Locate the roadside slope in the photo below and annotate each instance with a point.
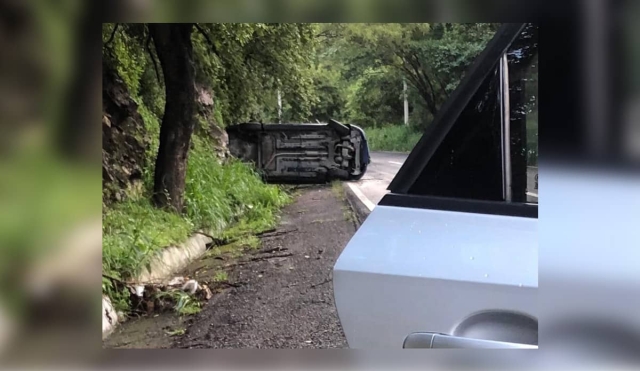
(283, 301)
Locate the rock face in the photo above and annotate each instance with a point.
(124, 141)
(208, 126)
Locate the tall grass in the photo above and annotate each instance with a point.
(217, 196)
(225, 199)
(397, 138)
(132, 231)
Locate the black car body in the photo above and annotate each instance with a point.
(302, 153)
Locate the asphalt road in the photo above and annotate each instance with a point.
(380, 172)
(385, 165)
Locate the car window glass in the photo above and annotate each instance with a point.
(468, 162)
(522, 59)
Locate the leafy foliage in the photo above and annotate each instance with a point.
(244, 64)
(431, 57)
(396, 138)
(375, 99)
(351, 72)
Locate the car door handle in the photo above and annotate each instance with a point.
(430, 340)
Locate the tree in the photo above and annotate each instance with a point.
(375, 98)
(175, 52)
(432, 57)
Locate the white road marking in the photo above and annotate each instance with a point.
(370, 205)
(395, 163)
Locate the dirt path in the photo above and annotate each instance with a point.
(279, 296)
(287, 301)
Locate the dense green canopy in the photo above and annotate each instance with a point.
(351, 72)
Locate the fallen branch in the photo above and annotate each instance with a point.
(216, 241)
(321, 283)
(235, 284)
(260, 258)
(257, 258)
(266, 232)
(268, 251)
(236, 264)
(276, 233)
(191, 346)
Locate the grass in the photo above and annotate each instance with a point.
(338, 190)
(185, 304)
(396, 138)
(229, 200)
(221, 277)
(178, 332)
(217, 196)
(132, 232)
(348, 215)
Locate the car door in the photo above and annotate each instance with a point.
(449, 258)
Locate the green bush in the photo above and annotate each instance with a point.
(397, 138)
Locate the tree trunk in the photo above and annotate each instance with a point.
(175, 52)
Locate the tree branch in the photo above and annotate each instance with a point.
(328, 35)
(442, 86)
(421, 83)
(153, 59)
(412, 79)
(113, 34)
(416, 65)
(435, 76)
(211, 44)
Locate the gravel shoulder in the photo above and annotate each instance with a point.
(283, 295)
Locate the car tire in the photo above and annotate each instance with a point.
(363, 170)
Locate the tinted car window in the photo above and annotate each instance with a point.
(468, 163)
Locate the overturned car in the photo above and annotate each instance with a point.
(302, 153)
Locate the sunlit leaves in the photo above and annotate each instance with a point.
(432, 58)
(242, 63)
